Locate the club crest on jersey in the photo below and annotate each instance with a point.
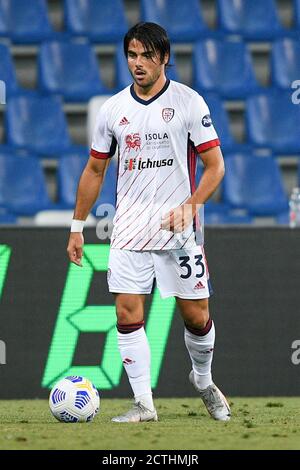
(133, 141)
(168, 114)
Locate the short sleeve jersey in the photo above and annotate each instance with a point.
(158, 142)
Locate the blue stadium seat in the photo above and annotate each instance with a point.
(216, 218)
(37, 123)
(101, 21)
(6, 218)
(4, 32)
(123, 76)
(25, 21)
(62, 66)
(283, 218)
(7, 70)
(70, 167)
(216, 213)
(22, 185)
(182, 20)
(212, 207)
(273, 121)
(224, 67)
(221, 121)
(255, 20)
(285, 62)
(7, 150)
(297, 13)
(254, 183)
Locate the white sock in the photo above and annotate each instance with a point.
(135, 354)
(200, 349)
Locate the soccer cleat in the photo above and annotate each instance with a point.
(137, 414)
(214, 400)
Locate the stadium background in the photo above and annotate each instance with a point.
(246, 72)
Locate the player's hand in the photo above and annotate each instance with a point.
(75, 248)
(177, 220)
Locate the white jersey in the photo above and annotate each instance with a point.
(158, 142)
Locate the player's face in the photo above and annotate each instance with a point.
(144, 66)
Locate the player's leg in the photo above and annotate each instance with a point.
(134, 346)
(199, 336)
(132, 273)
(186, 278)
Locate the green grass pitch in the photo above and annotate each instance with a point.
(257, 423)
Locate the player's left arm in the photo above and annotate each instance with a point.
(214, 170)
(180, 217)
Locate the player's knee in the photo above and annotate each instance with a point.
(199, 317)
(128, 314)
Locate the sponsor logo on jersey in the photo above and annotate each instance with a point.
(124, 121)
(206, 121)
(156, 136)
(130, 164)
(208, 351)
(133, 141)
(128, 361)
(199, 285)
(133, 163)
(168, 114)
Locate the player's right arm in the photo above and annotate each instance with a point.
(88, 189)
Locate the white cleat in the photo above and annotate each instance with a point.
(214, 400)
(137, 414)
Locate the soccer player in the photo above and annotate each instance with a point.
(160, 127)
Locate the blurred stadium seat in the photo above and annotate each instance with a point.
(3, 20)
(7, 70)
(255, 20)
(60, 218)
(22, 185)
(224, 67)
(285, 62)
(283, 218)
(123, 76)
(70, 167)
(7, 218)
(62, 66)
(273, 121)
(297, 13)
(25, 21)
(94, 105)
(101, 21)
(216, 218)
(221, 121)
(182, 20)
(254, 183)
(37, 123)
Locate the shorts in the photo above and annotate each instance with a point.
(181, 273)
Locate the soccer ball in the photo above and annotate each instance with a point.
(74, 399)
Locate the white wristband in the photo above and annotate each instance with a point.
(77, 225)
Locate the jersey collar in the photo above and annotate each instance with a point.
(146, 102)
